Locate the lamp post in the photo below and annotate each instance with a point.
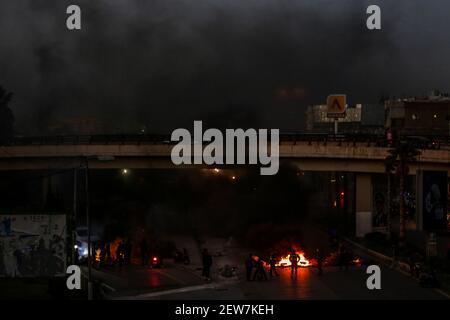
(88, 224)
(74, 221)
(88, 219)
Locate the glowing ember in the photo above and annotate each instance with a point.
(284, 261)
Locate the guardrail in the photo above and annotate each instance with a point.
(423, 142)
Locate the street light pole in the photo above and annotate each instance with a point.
(74, 221)
(88, 222)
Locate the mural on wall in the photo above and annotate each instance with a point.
(32, 245)
(434, 204)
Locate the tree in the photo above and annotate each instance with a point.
(399, 156)
(6, 117)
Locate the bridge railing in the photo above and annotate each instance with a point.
(423, 142)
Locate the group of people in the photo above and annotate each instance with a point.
(254, 266)
(103, 254)
(256, 263)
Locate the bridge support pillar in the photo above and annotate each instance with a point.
(363, 204)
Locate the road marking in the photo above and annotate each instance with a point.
(172, 291)
(445, 294)
(108, 287)
(102, 282)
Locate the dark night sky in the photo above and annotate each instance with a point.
(168, 62)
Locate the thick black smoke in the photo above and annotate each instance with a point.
(164, 63)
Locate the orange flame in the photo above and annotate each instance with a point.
(285, 262)
(113, 247)
(98, 252)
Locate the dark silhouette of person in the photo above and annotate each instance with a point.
(144, 252)
(108, 253)
(249, 263)
(120, 253)
(260, 273)
(333, 238)
(207, 263)
(127, 251)
(294, 258)
(77, 256)
(414, 264)
(343, 258)
(273, 267)
(319, 262)
(186, 259)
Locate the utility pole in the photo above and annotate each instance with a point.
(74, 217)
(88, 222)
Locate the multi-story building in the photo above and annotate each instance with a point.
(427, 116)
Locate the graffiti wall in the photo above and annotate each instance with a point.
(433, 191)
(32, 245)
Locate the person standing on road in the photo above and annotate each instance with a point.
(120, 254)
(319, 262)
(207, 263)
(249, 266)
(186, 259)
(273, 267)
(260, 273)
(128, 248)
(344, 258)
(108, 254)
(144, 252)
(294, 258)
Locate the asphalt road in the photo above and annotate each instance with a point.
(135, 280)
(179, 282)
(173, 282)
(333, 284)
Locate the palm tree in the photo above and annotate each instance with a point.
(402, 153)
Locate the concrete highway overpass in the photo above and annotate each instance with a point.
(307, 152)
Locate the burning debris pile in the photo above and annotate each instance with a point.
(114, 245)
(285, 261)
(284, 251)
(280, 242)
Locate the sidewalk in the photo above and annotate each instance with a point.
(397, 265)
(381, 258)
